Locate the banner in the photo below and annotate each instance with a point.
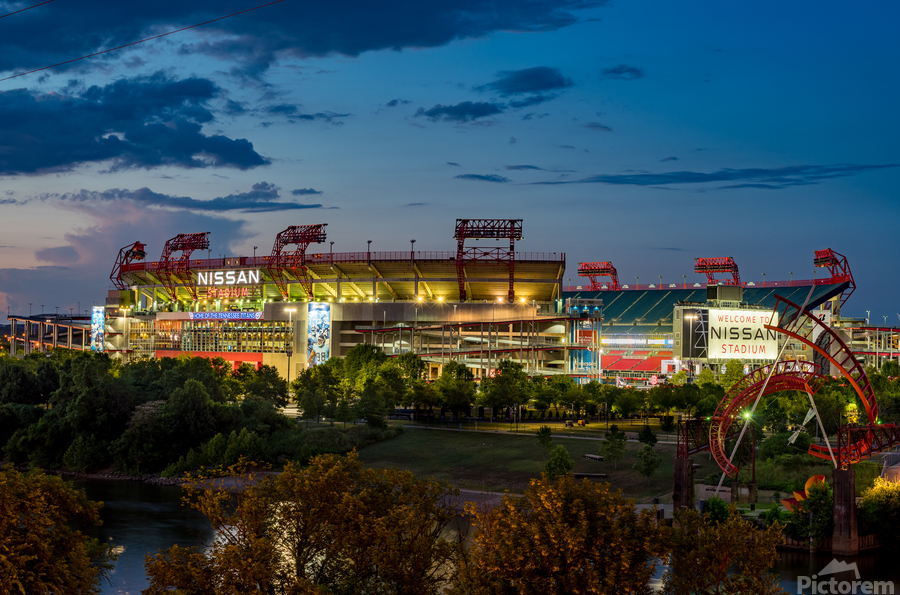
(98, 334)
(741, 334)
(318, 333)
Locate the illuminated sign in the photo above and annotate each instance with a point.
(318, 333)
(98, 333)
(226, 315)
(215, 278)
(741, 334)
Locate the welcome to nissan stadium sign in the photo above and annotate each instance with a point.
(741, 334)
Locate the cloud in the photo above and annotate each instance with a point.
(461, 112)
(565, 146)
(415, 204)
(255, 40)
(262, 198)
(305, 191)
(396, 102)
(60, 255)
(529, 101)
(480, 178)
(528, 80)
(136, 123)
(597, 126)
(521, 167)
(293, 114)
(453, 163)
(772, 179)
(623, 72)
(669, 159)
(513, 140)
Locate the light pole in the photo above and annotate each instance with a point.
(254, 253)
(660, 281)
(290, 349)
(690, 341)
(29, 310)
(685, 281)
(764, 279)
(792, 278)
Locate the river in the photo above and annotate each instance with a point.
(143, 519)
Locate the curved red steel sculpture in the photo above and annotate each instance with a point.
(799, 325)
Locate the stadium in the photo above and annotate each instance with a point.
(477, 304)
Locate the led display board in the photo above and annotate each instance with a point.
(98, 334)
(318, 333)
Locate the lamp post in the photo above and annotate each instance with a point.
(29, 310)
(685, 281)
(792, 278)
(660, 281)
(764, 279)
(290, 349)
(690, 341)
(254, 253)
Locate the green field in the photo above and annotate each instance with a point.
(494, 461)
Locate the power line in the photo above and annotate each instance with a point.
(9, 14)
(234, 14)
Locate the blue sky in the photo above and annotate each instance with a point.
(646, 133)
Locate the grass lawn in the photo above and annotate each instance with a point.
(501, 461)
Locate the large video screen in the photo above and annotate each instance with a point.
(318, 333)
(98, 322)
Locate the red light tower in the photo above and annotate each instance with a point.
(839, 268)
(127, 255)
(719, 264)
(171, 269)
(281, 261)
(486, 229)
(592, 270)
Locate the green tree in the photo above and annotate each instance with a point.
(456, 387)
(734, 371)
(812, 519)
(545, 438)
(706, 376)
(647, 436)
(612, 448)
(266, 383)
(412, 366)
(720, 557)
(559, 463)
(344, 411)
(506, 388)
(678, 378)
(562, 536)
(648, 462)
(362, 356)
(629, 402)
(44, 542)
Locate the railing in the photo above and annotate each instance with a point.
(702, 285)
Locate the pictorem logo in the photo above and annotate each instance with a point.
(847, 583)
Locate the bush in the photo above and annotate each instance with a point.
(647, 436)
(776, 514)
(221, 452)
(86, 453)
(820, 503)
(716, 511)
(667, 423)
(777, 445)
(879, 512)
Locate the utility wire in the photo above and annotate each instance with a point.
(234, 14)
(9, 14)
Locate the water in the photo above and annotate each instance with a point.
(141, 519)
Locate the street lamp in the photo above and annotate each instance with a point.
(691, 340)
(792, 278)
(764, 279)
(290, 349)
(254, 253)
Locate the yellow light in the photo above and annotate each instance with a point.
(523, 300)
(440, 298)
(500, 299)
(420, 298)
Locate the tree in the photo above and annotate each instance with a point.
(647, 436)
(362, 356)
(734, 371)
(267, 384)
(506, 388)
(612, 448)
(726, 558)
(412, 365)
(706, 376)
(333, 527)
(628, 402)
(545, 438)
(812, 519)
(344, 411)
(456, 386)
(562, 536)
(678, 378)
(879, 511)
(560, 462)
(45, 548)
(648, 462)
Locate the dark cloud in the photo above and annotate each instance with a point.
(461, 112)
(263, 198)
(565, 146)
(623, 72)
(480, 178)
(415, 204)
(513, 140)
(529, 101)
(669, 159)
(772, 179)
(305, 191)
(142, 122)
(520, 167)
(256, 39)
(528, 80)
(396, 102)
(597, 126)
(60, 255)
(293, 114)
(453, 163)
(532, 115)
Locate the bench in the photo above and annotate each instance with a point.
(597, 458)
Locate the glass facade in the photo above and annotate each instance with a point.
(225, 336)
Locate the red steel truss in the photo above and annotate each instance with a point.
(694, 437)
(839, 268)
(486, 229)
(592, 270)
(171, 270)
(281, 261)
(718, 264)
(127, 255)
(859, 442)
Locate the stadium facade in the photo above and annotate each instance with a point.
(478, 305)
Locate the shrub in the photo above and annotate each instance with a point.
(777, 445)
(86, 453)
(667, 423)
(879, 512)
(716, 510)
